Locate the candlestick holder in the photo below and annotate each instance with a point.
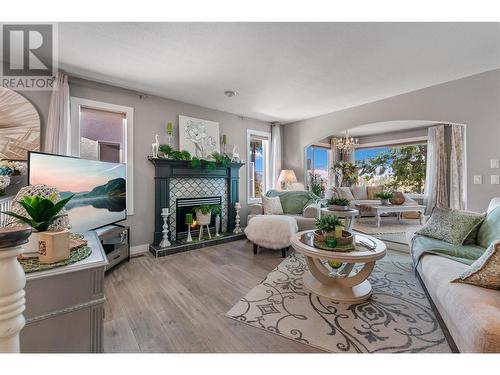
(237, 228)
(189, 238)
(165, 242)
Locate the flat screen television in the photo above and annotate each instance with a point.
(99, 187)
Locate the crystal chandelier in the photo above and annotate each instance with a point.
(346, 144)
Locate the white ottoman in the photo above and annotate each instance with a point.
(271, 231)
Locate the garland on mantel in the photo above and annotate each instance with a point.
(217, 159)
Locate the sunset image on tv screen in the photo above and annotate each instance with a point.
(99, 188)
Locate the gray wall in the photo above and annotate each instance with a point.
(474, 101)
(151, 116)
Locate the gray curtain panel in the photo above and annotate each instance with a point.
(457, 167)
(436, 186)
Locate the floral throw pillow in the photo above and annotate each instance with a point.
(272, 205)
(452, 226)
(484, 272)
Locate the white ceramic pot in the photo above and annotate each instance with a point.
(203, 219)
(385, 202)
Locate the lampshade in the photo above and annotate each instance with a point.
(287, 176)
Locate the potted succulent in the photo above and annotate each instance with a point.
(338, 204)
(327, 227)
(52, 246)
(384, 197)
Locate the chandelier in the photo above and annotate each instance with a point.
(346, 144)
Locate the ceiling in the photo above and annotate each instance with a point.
(280, 71)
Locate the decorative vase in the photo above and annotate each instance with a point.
(217, 225)
(53, 246)
(339, 208)
(203, 219)
(384, 202)
(398, 199)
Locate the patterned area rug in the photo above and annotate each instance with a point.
(396, 319)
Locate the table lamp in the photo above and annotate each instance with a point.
(287, 178)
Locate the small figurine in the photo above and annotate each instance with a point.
(155, 147)
(235, 158)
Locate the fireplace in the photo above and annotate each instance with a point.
(184, 206)
(180, 187)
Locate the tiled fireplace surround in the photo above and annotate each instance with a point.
(175, 179)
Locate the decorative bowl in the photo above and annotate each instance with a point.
(339, 208)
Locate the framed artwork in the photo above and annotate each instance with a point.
(199, 137)
(19, 126)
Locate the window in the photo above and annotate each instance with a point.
(258, 164)
(103, 131)
(400, 167)
(317, 168)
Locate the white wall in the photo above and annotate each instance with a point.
(474, 101)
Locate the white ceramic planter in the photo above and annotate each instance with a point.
(203, 219)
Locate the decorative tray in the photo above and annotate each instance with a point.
(78, 251)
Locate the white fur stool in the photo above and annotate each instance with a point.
(271, 231)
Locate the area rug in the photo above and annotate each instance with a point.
(396, 319)
(387, 225)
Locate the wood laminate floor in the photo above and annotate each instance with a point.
(176, 304)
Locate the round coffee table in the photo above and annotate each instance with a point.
(340, 285)
(348, 215)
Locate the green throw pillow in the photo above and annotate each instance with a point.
(452, 226)
(490, 229)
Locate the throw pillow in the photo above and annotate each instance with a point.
(452, 226)
(345, 192)
(372, 190)
(490, 229)
(272, 205)
(359, 192)
(484, 272)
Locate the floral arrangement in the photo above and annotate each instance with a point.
(385, 195)
(8, 169)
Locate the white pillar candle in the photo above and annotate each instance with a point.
(165, 211)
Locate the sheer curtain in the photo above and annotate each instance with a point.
(57, 132)
(436, 187)
(457, 167)
(275, 154)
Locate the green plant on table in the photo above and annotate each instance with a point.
(384, 195)
(327, 224)
(338, 202)
(42, 211)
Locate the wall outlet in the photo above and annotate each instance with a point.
(494, 163)
(495, 179)
(478, 180)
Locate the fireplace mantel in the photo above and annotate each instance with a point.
(167, 169)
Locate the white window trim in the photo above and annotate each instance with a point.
(394, 142)
(76, 105)
(266, 151)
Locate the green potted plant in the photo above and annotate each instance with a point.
(384, 197)
(328, 226)
(338, 204)
(204, 213)
(41, 211)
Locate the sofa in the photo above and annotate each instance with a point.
(302, 205)
(470, 314)
(362, 197)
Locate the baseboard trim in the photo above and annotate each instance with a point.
(139, 250)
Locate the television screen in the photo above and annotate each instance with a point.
(99, 188)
